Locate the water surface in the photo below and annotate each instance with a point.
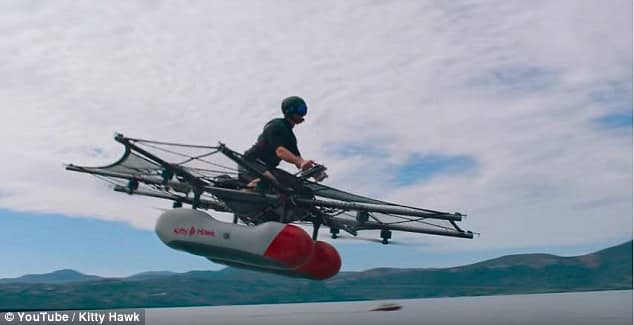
(591, 308)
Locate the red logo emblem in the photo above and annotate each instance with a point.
(192, 231)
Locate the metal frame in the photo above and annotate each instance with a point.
(298, 195)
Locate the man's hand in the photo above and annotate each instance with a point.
(305, 164)
(289, 157)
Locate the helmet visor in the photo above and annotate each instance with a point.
(301, 110)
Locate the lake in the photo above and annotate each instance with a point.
(592, 308)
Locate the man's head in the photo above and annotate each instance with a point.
(294, 109)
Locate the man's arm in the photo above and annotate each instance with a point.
(289, 157)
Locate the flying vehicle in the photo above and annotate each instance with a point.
(267, 228)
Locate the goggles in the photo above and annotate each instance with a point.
(301, 110)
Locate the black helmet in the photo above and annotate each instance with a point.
(294, 105)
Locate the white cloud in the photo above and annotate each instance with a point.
(509, 83)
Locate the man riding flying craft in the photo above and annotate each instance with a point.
(278, 142)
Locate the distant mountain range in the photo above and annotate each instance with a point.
(608, 269)
(67, 276)
(61, 276)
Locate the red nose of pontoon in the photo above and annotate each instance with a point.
(324, 263)
(292, 247)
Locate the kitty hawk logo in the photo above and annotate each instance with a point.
(192, 231)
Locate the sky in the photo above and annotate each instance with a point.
(517, 113)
